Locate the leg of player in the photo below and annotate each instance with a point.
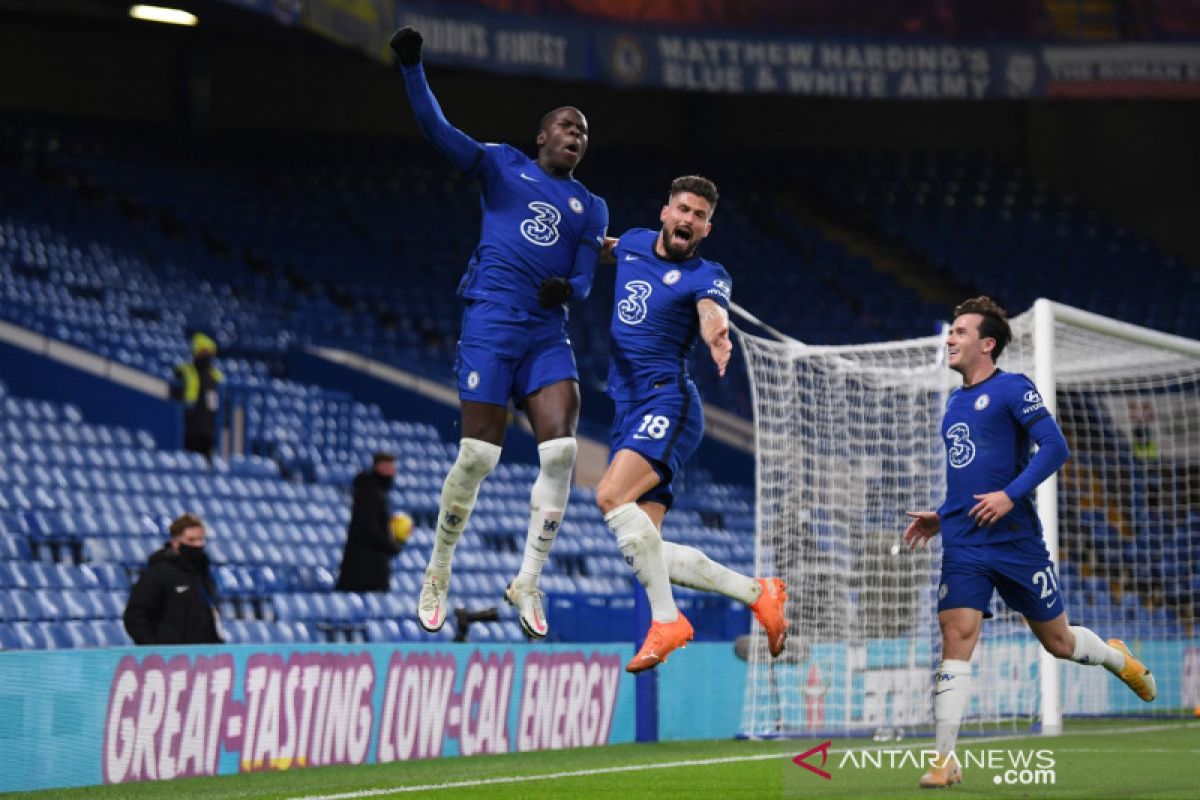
(554, 412)
(1081, 645)
(483, 427)
(765, 596)
(951, 691)
(630, 476)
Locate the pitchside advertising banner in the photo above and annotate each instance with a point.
(862, 686)
(718, 61)
(85, 717)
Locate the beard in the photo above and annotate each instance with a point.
(676, 249)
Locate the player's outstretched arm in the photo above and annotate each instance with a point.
(406, 43)
(608, 252)
(714, 329)
(923, 527)
(462, 151)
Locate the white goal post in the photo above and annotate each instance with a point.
(847, 439)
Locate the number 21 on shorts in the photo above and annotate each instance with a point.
(653, 426)
(1047, 581)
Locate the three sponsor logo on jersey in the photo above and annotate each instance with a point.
(542, 228)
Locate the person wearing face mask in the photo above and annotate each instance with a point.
(175, 599)
(375, 535)
(198, 385)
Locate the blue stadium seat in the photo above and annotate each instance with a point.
(9, 610)
(31, 635)
(384, 630)
(9, 640)
(14, 549)
(110, 633)
(111, 576)
(293, 607)
(56, 635)
(50, 605)
(82, 634)
(12, 575)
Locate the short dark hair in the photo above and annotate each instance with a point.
(382, 456)
(549, 116)
(994, 324)
(697, 185)
(183, 522)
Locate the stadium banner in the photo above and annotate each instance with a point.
(285, 12)
(87, 717)
(716, 61)
(1123, 70)
(708, 670)
(857, 687)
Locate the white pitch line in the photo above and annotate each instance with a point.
(579, 773)
(703, 762)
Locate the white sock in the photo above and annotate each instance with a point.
(1091, 649)
(547, 503)
(476, 459)
(641, 544)
(951, 691)
(689, 567)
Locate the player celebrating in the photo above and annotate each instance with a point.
(991, 535)
(671, 296)
(542, 233)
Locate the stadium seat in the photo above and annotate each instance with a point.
(9, 640)
(32, 636)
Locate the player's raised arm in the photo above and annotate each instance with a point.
(714, 329)
(462, 151)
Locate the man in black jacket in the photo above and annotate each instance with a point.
(370, 541)
(175, 599)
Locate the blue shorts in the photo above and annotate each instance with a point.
(1020, 570)
(504, 352)
(665, 429)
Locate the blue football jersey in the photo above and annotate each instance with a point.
(533, 226)
(655, 326)
(986, 432)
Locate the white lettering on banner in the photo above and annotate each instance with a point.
(848, 84)
(333, 696)
(531, 48)
(1153, 63)
(178, 718)
(1191, 677)
(485, 705)
(447, 37)
(143, 736)
(567, 700)
(852, 70)
(895, 696)
(702, 77)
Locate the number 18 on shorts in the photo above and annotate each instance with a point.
(665, 428)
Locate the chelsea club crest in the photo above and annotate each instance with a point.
(982, 402)
(672, 277)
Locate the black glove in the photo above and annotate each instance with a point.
(554, 292)
(406, 43)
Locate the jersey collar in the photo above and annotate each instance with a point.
(975, 386)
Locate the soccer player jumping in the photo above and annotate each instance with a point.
(541, 237)
(671, 296)
(991, 535)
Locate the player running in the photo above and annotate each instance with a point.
(671, 295)
(541, 236)
(991, 535)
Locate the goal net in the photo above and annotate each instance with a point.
(848, 439)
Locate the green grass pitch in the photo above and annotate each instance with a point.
(1094, 759)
